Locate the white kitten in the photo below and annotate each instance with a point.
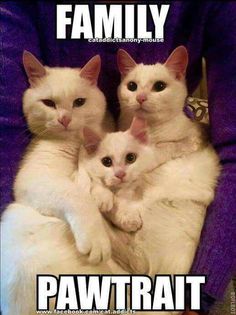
(117, 165)
(158, 93)
(56, 106)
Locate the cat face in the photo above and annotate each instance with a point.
(155, 92)
(62, 100)
(121, 157)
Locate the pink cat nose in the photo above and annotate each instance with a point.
(64, 120)
(141, 98)
(120, 174)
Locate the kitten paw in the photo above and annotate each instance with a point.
(131, 222)
(104, 199)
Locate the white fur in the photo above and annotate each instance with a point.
(169, 202)
(159, 106)
(44, 184)
(172, 201)
(35, 244)
(174, 134)
(44, 179)
(165, 244)
(174, 197)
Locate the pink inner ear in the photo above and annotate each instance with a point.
(91, 140)
(177, 62)
(92, 69)
(33, 67)
(138, 130)
(125, 62)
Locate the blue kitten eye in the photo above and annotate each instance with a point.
(107, 161)
(130, 158)
(49, 103)
(159, 86)
(79, 102)
(132, 86)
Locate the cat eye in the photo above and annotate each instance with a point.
(107, 161)
(49, 103)
(79, 102)
(159, 86)
(130, 158)
(132, 86)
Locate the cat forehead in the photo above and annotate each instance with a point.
(117, 143)
(146, 73)
(65, 76)
(63, 82)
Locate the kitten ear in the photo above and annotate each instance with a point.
(138, 130)
(125, 62)
(92, 69)
(91, 140)
(33, 67)
(177, 62)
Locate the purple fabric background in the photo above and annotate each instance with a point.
(206, 28)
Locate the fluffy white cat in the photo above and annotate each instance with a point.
(59, 102)
(180, 190)
(56, 106)
(158, 93)
(117, 172)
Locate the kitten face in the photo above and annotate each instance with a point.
(153, 91)
(61, 101)
(121, 157)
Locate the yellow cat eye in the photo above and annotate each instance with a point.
(130, 158)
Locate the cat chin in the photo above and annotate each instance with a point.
(142, 112)
(120, 184)
(55, 132)
(113, 185)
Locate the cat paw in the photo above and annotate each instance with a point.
(104, 200)
(100, 251)
(96, 245)
(131, 222)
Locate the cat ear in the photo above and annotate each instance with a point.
(125, 62)
(33, 67)
(91, 140)
(177, 62)
(92, 69)
(138, 130)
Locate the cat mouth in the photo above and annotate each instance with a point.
(142, 108)
(116, 184)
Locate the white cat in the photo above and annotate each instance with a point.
(59, 102)
(56, 106)
(117, 171)
(181, 189)
(158, 93)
